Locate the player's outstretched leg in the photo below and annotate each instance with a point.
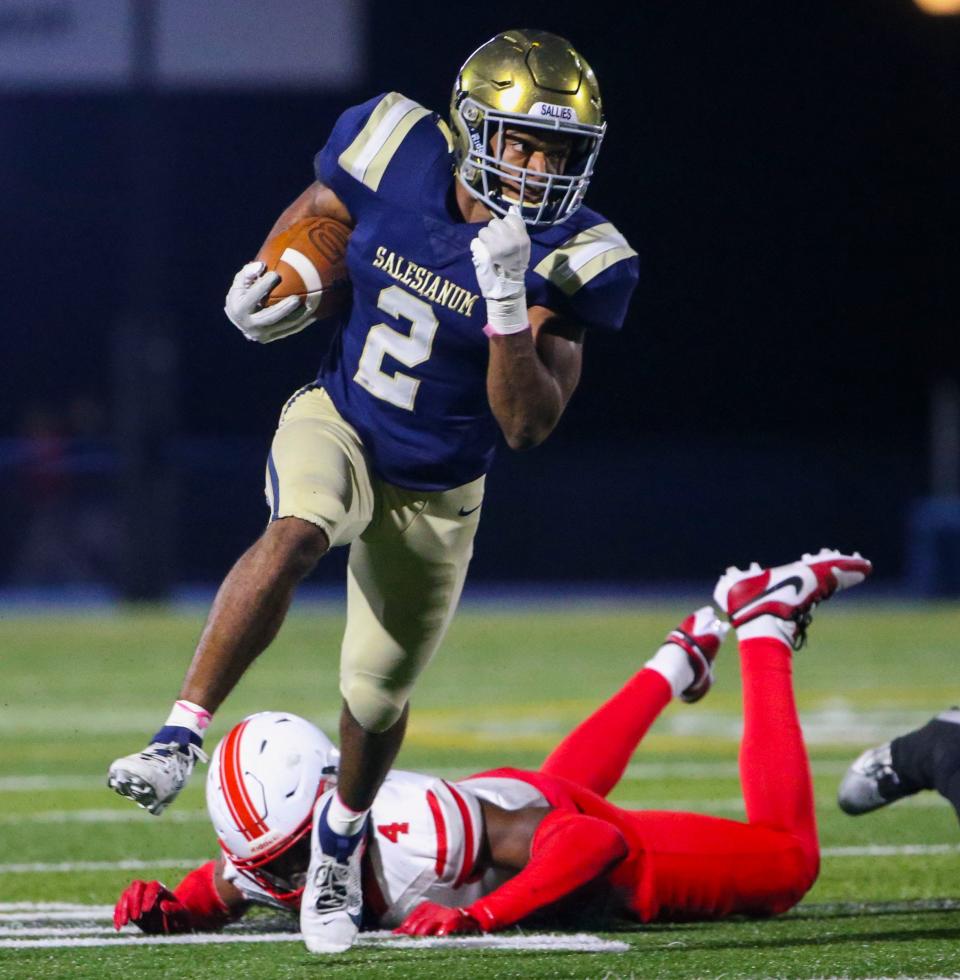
(771, 610)
(694, 866)
(928, 758)
(595, 754)
(248, 610)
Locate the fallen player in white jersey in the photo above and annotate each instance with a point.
(488, 851)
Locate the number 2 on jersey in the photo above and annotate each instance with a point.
(409, 349)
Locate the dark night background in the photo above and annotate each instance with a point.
(788, 174)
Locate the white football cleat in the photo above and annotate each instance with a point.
(153, 778)
(789, 593)
(332, 904)
(699, 636)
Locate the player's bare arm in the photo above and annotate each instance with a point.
(317, 201)
(531, 376)
(229, 894)
(508, 834)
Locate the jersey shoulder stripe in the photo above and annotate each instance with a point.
(584, 256)
(366, 159)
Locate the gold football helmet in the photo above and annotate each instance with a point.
(534, 81)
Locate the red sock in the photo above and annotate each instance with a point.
(774, 769)
(597, 751)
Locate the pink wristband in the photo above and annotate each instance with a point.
(493, 332)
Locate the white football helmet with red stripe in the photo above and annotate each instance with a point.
(263, 781)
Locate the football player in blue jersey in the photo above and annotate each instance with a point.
(476, 273)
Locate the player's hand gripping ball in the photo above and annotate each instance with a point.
(302, 277)
(153, 907)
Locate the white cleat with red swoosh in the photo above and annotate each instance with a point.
(790, 592)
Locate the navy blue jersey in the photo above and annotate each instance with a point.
(408, 368)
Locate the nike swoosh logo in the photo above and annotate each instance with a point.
(467, 513)
(795, 581)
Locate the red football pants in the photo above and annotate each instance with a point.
(690, 866)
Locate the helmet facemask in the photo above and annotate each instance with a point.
(487, 177)
(281, 871)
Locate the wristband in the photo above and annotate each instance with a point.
(507, 316)
(491, 331)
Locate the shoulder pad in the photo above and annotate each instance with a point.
(367, 157)
(584, 256)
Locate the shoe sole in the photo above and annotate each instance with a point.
(134, 788)
(326, 947)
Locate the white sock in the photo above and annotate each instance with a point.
(342, 820)
(673, 664)
(768, 627)
(186, 714)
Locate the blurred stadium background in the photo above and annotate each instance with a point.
(787, 377)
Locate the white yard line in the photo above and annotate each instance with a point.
(890, 850)
(37, 932)
(832, 721)
(69, 915)
(128, 814)
(577, 943)
(732, 804)
(33, 784)
(638, 770)
(40, 867)
(53, 907)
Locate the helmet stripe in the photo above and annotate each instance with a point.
(225, 752)
(249, 822)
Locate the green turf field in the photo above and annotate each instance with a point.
(78, 690)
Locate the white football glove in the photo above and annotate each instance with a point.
(263, 324)
(501, 254)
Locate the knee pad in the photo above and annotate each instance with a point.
(372, 702)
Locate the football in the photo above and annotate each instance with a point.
(310, 258)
